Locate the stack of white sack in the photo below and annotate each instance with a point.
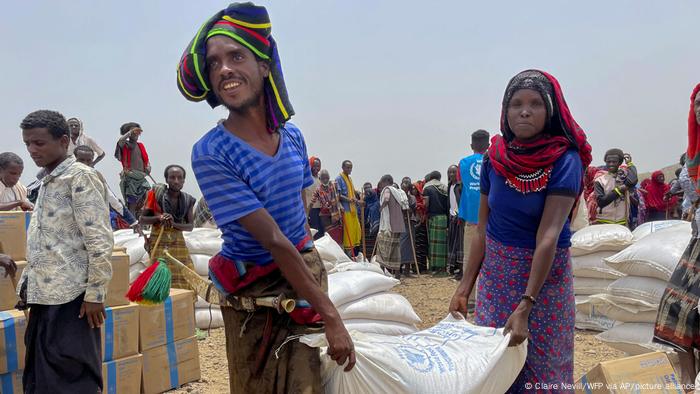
(589, 246)
(361, 293)
(634, 299)
(454, 356)
(204, 243)
(134, 245)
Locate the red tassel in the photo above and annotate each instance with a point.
(136, 290)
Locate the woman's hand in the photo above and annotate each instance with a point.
(460, 301)
(458, 305)
(517, 324)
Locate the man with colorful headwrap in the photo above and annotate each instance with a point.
(252, 170)
(678, 321)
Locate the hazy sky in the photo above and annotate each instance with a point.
(396, 86)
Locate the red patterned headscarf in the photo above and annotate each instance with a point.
(693, 153)
(527, 166)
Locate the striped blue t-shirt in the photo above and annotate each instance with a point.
(237, 179)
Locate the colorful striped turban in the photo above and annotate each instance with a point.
(249, 25)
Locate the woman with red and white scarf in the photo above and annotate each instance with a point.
(530, 180)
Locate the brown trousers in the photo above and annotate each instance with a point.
(253, 338)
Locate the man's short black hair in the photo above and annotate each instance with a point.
(46, 119)
(7, 158)
(435, 175)
(480, 139)
(388, 179)
(167, 169)
(84, 148)
(128, 126)
(346, 162)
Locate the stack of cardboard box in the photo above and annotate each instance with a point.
(167, 342)
(121, 361)
(13, 323)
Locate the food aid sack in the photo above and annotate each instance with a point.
(593, 266)
(632, 338)
(347, 286)
(206, 318)
(380, 306)
(586, 286)
(651, 227)
(600, 238)
(384, 327)
(330, 251)
(638, 289)
(357, 266)
(654, 256)
(622, 309)
(453, 356)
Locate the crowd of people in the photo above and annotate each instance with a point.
(500, 223)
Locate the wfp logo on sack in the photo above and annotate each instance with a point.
(416, 358)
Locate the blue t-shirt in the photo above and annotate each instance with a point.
(237, 179)
(515, 217)
(470, 171)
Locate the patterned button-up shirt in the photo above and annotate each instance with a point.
(69, 241)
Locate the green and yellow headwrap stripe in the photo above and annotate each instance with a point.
(250, 26)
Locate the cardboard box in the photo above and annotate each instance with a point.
(648, 373)
(13, 324)
(122, 376)
(11, 383)
(13, 233)
(119, 284)
(170, 366)
(8, 286)
(167, 322)
(120, 249)
(120, 333)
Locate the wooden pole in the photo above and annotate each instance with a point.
(362, 225)
(413, 246)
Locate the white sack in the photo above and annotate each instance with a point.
(593, 266)
(452, 357)
(380, 306)
(122, 236)
(586, 286)
(347, 286)
(652, 227)
(135, 270)
(655, 256)
(203, 242)
(623, 309)
(383, 327)
(206, 319)
(638, 288)
(203, 232)
(581, 219)
(600, 238)
(593, 322)
(330, 251)
(583, 304)
(203, 304)
(632, 338)
(201, 263)
(357, 266)
(135, 249)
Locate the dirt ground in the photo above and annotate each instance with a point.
(430, 298)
